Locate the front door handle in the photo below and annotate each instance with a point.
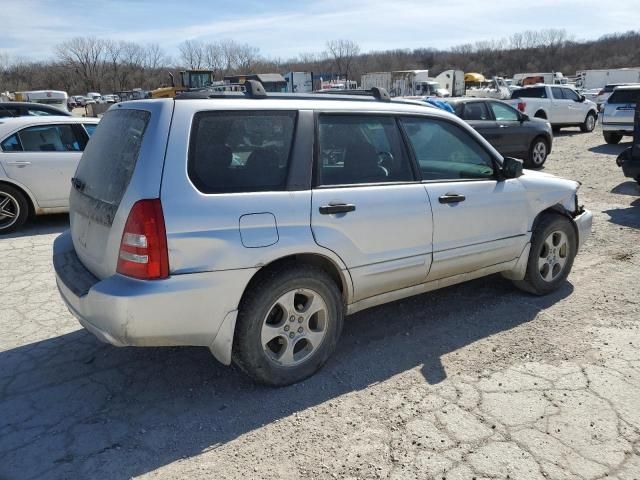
(504, 126)
(337, 208)
(452, 198)
(19, 163)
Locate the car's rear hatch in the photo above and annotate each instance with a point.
(620, 107)
(122, 164)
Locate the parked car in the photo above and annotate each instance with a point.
(200, 221)
(22, 109)
(510, 132)
(560, 106)
(618, 112)
(38, 156)
(605, 93)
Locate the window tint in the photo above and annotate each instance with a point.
(360, 149)
(570, 94)
(557, 93)
(240, 151)
(533, 92)
(36, 112)
(49, 138)
(7, 112)
(90, 128)
(625, 96)
(11, 144)
(110, 157)
(476, 111)
(445, 151)
(504, 113)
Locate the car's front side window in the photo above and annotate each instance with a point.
(445, 151)
(49, 138)
(570, 95)
(357, 149)
(504, 113)
(557, 93)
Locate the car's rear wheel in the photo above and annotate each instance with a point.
(612, 138)
(538, 152)
(589, 123)
(288, 325)
(14, 209)
(553, 249)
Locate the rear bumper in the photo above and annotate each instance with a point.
(622, 128)
(584, 221)
(180, 310)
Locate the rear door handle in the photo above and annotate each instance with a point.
(337, 208)
(452, 198)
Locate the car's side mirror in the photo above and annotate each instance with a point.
(524, 117)
(511, 167)
(582, 98)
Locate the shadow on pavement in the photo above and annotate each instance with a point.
(608, 149)
(42, 225)
(627, 217)
(75, 408)
(627, 188)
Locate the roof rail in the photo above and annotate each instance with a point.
(380, 94)
(252, 89)
(255, 89)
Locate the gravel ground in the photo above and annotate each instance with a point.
(475, 381)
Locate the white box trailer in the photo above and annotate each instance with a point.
(548, 78)
(592, 79)
(403, 83)
(299, 82)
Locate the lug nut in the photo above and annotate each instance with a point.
(291, 335)
(292, 318)
(300, 319)
(300, 330)
(286, 328)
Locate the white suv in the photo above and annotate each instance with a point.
(253, 223)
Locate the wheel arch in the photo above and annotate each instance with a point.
(557, 209)
(541, 113)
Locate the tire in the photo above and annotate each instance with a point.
(541, 276)
(14, 209)
(269, 317)
(538, 152)
(589, 123)
(612, 138)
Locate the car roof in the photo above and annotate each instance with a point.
(628, 87)
(12, 123)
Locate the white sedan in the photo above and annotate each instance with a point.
(38, 158)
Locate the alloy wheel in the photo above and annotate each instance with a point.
(539, 152)
(294, 327)
(9, 210)
(553, 256)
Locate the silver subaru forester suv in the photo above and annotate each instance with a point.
(252, 223)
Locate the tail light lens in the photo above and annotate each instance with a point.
(521, 106)
(601, 92)
(143, 248)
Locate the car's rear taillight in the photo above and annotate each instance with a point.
(601, 92)
(521, 106)
(143, 248)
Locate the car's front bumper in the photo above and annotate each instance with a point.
(184, 309)
(584, 221)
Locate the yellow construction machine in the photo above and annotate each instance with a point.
(189, 79)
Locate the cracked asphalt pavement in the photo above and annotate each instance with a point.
(476, 381)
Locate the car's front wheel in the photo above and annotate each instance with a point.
(14, 209)
(553, 249)
(538, 152)
(589, 123)
(612, 138)
(288, 325)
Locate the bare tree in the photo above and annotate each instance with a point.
(192, 53)
(85, 57)
(343, 53)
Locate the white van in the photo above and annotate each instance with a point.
(55, 98)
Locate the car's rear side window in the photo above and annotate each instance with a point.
(108, 162)
(476, 111)
(240, 151)
(625, 96)
(533, 92)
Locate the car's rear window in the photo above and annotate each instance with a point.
(534, 92)
(625, 96)
(110, 157)
(240, 151)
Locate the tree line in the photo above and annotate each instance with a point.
(85, 64)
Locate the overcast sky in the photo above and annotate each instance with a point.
(31, 28)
